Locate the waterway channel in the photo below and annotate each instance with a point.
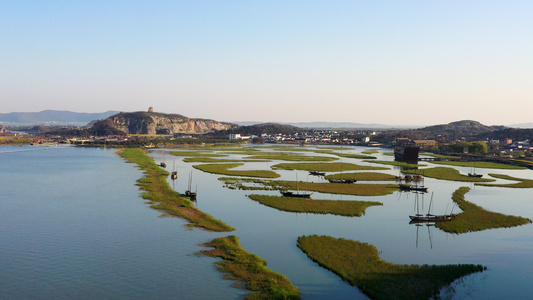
(73, 225)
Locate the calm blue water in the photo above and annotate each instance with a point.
(72, 225)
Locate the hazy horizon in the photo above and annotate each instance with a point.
(363, 62)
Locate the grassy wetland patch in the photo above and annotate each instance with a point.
(356, 189)
(162, 197)
(363, 176)
(334, 207)
(251, 269)
(332, 188)
(325, 167)
(196, 154)
(224, 169)
(446, 173)
(346, 155)
(217, 160)
(479, 164)
(475, 218)
(290, 157)
(521, 184)
(395, 163)
(359, 264)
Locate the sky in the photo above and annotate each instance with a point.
(371, 62)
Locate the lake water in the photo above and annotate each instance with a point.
(72, 225)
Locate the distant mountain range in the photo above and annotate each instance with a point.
(52, 117)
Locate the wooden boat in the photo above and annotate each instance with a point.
(432, 218)
(188, 192)
(342, 180)
(474, 174)
(418, 218)
(317, 173)
(174, 174)
(295, 195)
(408, 187)
(163, 165)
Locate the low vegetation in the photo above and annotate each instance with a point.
(245, 183)
(356, 189)
(325, 167)
(395, 163)
(363, 176)
(334, 207)
(290, 157)
(346, 155)
(162, 197)
(479, 165)
(359, 264)
(251, 269)
(198, 153)
(217, 160)
(224, 169)
(475, 218)
(521, 184)
(446, 173)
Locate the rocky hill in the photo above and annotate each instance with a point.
(156, 123)
(465, 128)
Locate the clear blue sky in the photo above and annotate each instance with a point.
(388, 62)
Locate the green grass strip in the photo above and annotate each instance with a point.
(356, 189)
(475, 218)
(359, 264)
(479, 164)
(446, 173)
(162, 197)
(251, 269)
(395, 163)
(363, 176)
(196, 154)
(521, 184)
(217, 160)
(325, 167)
(346, 155)
(334, 207)
(224, 169)
(290, 157)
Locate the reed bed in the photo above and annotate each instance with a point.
(446, 173)
(162, 197)
(363, 176)
(325, 167)
(217, 160)
(479, 164)
(346, 155)
(357, 189)
(251, 269)
(521, 184)
(395, 163)
(224, 169)
(475, 218)
(198, 153)
(359, 264)
(290, 157)
(299, 205)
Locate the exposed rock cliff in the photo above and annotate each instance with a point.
(157, 123)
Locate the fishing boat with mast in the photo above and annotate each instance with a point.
(431, 217)
(189, 192)
(174, 174)
(474, 174)
(297, 194)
